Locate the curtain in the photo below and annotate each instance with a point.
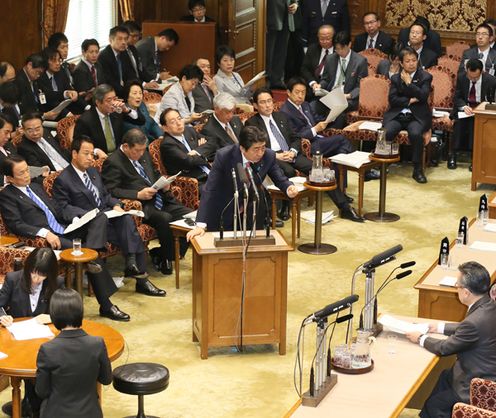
(126, 8)
(54, 17)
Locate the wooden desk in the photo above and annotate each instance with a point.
(484, 150)
(491, 203)
(441, 302)
(399, 380)
(21, 360)
(78, 260)
(217, 279)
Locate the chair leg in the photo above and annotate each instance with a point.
(141, 407)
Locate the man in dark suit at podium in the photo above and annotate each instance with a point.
(373, 37)
(219, 188)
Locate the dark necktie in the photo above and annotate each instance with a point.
(188, 103)
(480, 56)
(52, 222)
(54, 83)
(91, 187)
(319, 68)
(279, 137)
(93, 74)
(472, 99)
(371, 43)
(159, 203)
(119, 68)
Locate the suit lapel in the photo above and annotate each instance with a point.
(21, 196)
(78, 182)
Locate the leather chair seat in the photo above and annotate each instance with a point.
(141, 378)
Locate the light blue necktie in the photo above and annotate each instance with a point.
(52, 222)
(204, 168)
(91, 187)
(159, 203)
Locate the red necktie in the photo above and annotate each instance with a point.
(93, 74)
(472, 100)
(318, 70)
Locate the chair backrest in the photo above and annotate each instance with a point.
(151, 97)
(463, 410)
(154, 150)
(48, 182)
(456, 49)
(65, 130)
(374, 57)
(443, 85)
(449, 63)
(373, 101)
(16, 137)
(483, 393)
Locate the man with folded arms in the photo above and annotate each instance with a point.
(473, 341)
(29, 212)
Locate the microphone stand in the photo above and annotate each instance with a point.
(243, 274)
(235, 214)
(349, 332)
(370, 312)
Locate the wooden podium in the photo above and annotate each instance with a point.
(484, 153)
(217, 279)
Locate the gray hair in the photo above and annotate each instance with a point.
(100, 92)
(224, 101)
(134, 137)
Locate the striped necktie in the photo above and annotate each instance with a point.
(159, 203)
(278, 136)
(91, 187)
(183, 141)
(52, 222)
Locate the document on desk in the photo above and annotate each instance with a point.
(83, 220)
(259, 76)
(463, 115)
(490, 228)
(483, 246)
(354, 159)
(29, 330)
(402, 327)
(449, 281)
(116, 213)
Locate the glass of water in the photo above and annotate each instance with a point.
(76, 246)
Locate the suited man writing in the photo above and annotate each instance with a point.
(219, 189)
(373, 37)
(408, 107)
(473, 341)
(129, 174)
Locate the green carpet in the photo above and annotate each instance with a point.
(259, 382)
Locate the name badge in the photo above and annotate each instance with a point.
(42, 98)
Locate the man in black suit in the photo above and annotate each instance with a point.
(103, 123)
(432, 40)
(197, 12)
(150, 51)
(59, 42)
(39, 147)
(182, 149)
(29, 212)
(473, 86)
(219, 188)
(316, 56)
(7, 72)
(88, 73)
(482, 50)
(80, 189)
(408, 107)
(223, 127)
(344, 68)
(324, 12)
(473, 340)
(6, 147)
(204, 92)
(373, 37)
(287, 146)
(129, 174)
(426, 57)
(115, 62)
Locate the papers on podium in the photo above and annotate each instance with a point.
(335, 101)
(259, 76)
(483, 246)
(83, 220)
(440, 113)
(402, 327)
(490, 228)
(449, 281)
(354, 159)
(164, 84)
(29, 330)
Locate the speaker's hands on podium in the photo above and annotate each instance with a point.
(197, 231)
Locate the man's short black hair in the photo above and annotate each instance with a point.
(424, 29)
(117, 29)
(224, 50)
(78, 142)
(193, 3)
(424, 22)
(87, 43)
(341, 38)
(407, 50)
(50, 53)
(191, 71)
(259, 91)
(132, 26)
(163, 115)
(250, 135)
(134, 137)
(9, 162)
(474, 64)
(66, 309)
(9, 92)
(37, 61)
(31, 115)
(485, 26)
(294, 81)
(475, 278)
(376, 16)
(170, 34)
(56, 39)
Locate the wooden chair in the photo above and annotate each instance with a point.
(483, 394)
(16, 137)
(456, 49)
(65, 130)
(373, 100)
(373, 57)
(449, 63)
(463, 410)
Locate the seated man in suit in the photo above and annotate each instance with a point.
(373, 37)
(344, 68)
(408, 107)
(59, 42)
(79, 189)
(219, 188)
(426, 57)
(473, 340)
(7, 72)
(473, 86)
(103, 123)
(432, 40)
(88, 74)
(316, 55)
(197, 12)
(29, 212)
(316, 13)
(115, 62)
(482, 50)
(9, 102)
(223, 127)
(492, 23)
(150, 51)
(287, 146)
(205, 91)
(6, 147)
(129, 174)
(182, 149)
(39, 147)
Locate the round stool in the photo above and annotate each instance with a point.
(141, 379)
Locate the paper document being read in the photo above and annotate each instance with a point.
(259, 76)
(335, 101)
(402, 327)
(116, 213)
(164, 181)
(29, 330)
(61, 106)
(83, 220)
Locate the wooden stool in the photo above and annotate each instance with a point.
(78, 261)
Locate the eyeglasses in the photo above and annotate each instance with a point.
(482, 34)
(370, 22)
(34, 129)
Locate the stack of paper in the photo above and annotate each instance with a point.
(402, 327)
(29, 330)
(483, 246)
(309, 216)
(370, 125)
(440, 113)
(299, 186)
(355, 159)
(490, 228)
(448, 281)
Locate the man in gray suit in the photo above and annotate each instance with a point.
(473, 341)
(280, 22)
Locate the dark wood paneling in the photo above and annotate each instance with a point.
(168, 10)
(21, 30)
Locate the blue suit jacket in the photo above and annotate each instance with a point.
(297, 121)
(219, 188)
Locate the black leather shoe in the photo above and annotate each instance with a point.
(148, 288)
(93, 267)
(350, 214)
(156, 258)
(279, 223)
(349, 199)
(419, 176)
(372, 174)
(451, 163)
(25, 405)
(133, 271)
(166, 267)
(115, 314)
(470, 168)
(283, 213)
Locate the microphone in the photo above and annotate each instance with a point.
(399, 276)
(249, 171)
(407, 264)
(235, 183)
(221, 219)
(332, 308)
(382, 258)
(345, 318)
(243, 177)
(267, 225)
